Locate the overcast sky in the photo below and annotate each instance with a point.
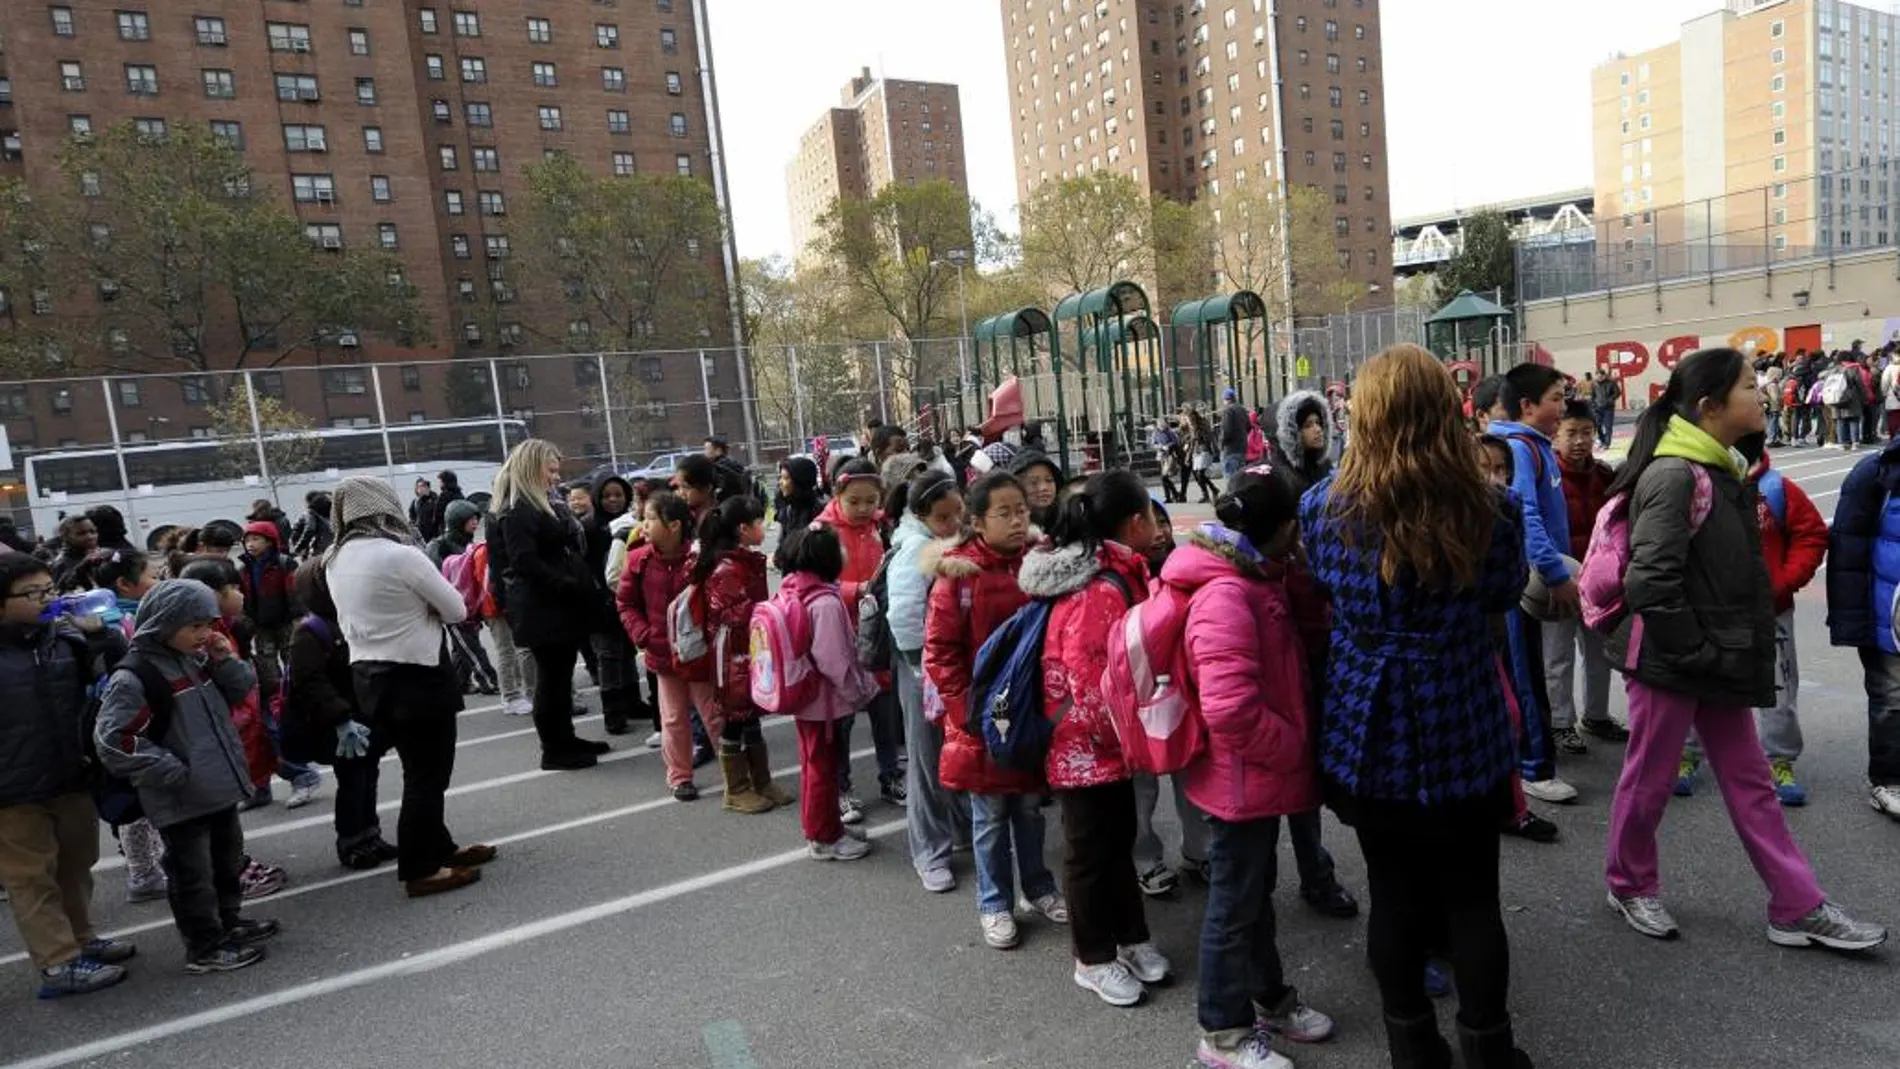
(1485, 99)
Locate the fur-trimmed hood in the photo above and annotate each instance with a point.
(1054, 571)
(1292, 409)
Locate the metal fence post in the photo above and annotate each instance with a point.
(501, 414)
(382, 420)
(118, 454)
(705, 393)
(607, 411)
(883, 406)
(257, 434)
(798, 396)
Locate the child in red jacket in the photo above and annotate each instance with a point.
(854, 513)
(1794, 541)
(729, 572)
(653, 576)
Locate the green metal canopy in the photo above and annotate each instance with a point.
(1022, 323)
(1120, 298)
(1468, 306)
(1222, 308)
(1136, 328)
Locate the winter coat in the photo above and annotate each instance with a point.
(908, 584)
(793, 512)
(963, 611)
(1539, 483)
(319, 692)
(1413, 706)
(452, 541)
(1296, 465)
(843, 685)
(1793, 552)
(311, 535)
(1247, 665)
(1864, 553)
(863, 551)
(46, 672)
(1235, 422)
(550, 596)
(198, 766)
(648, 584)
(425, 515)
(736, 585)
(1605, 392)
(1586, 490)
(270, 595)
(1085, 751)
(599, 526)
(1701, 613)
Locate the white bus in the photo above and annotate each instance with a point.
(187, 481)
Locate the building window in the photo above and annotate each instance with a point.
(544, 74)
(228, 132)
(1778, 56)
(426, 18)
(1780, 164)
(72, 77)
(297, 87)
(452, 202)
(440, 108)
(468, 24)
(496, 246)
(550, 117)
(150, 130)
(1777, 28)
(62, 21)
(683, 164)
(134, 26)
(302, 138)
(485, 159)
(474, 69)
(669, 42)
(458, 246)
(372, 139)
(540, 31)
(623, 164)
(613, 79)
(313, 188)
(491, 202)
(359, 42)
(366, 91)
(1778, 83)
(673, 86)
(219, 85)
(677, 123)
(618, 122)
(141, 80)
(345, 381)
(447, 154)
(324, 235)
(433, 64)
(80, 126)
(210, 31)
(1332, 30)
(386, 235)
(606, 35)
(480, 114)
(379, 189)
(287, 36)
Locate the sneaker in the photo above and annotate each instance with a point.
(1158, 882)
(258, 800)
(1646, 914)
(1111, 981)
(1333, 901)
(1569, 742)
(845, 849)
(302, 796)
(224, 958)
(258, 879)
(654, 740)
(686, 792)
(1200, 872)
(1552, 790)
(894, 794)
(1685, 775)
(572, 760)
(517, 707)
(1606, 729)
(1293, 1019)
(850, 810)
(148, 892)
(1533, 828)
(80, 976)
(1052, 905)
(1787, 789)
(703, 756)
(248, 932)
(1437, 980)
(856, 833)
(999, 930)
(1885, 799)
(1828, 925)
(938, 880)
(108, 951)
(1247, 1050)
(1146, 963)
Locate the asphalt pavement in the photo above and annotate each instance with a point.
(621, 929)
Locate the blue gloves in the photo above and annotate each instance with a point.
(352, 740)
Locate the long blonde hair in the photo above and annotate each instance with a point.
(521, 475)
(1412, 473)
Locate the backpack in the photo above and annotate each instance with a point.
(1537, 456)
(1006, 707)
(783, 677)
(115, 797)
(467, 572)
(686, 634)
(874, 625)
(1145, 686)
(1608, 558)
(1834, 387)
(1256, 445)
(297, 737)
(1774, 493)
(1791, 393)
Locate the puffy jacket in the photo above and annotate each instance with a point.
(1793, 554)
(737, 583)
(1235, 422)
(1085, 751)
(198, 766)
(963, 611)
(1586, 489)
(452, 540)
(1539, 482)
(1864, 553)
(549, 594)
(648, 584)
(319, 693)
(908, 584)
(863, 550)
(843, 684)
(1701, 617)
(46, 673)
(270, 597)
(1247, 665)
(1296, 465)
(599, 525)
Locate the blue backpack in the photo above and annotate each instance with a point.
(1774, 491)
(1006, 709)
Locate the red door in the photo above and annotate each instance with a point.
(1797, 338)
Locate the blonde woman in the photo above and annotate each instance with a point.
(552, 599)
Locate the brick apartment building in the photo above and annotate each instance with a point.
(394, 122)
(1180, 94)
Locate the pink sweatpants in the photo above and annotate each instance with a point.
(678, 699)
(1659, 724)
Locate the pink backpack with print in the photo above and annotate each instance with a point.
(783, 678)
(1608, 558)
(1151, 702)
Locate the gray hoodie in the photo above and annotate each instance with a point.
(198, 767)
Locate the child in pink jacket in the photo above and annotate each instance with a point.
(811, 559)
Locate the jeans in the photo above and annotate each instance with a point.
(356, 781)
(47, 850)
(1310, 855)
(1779, 724)
(1240, 958)
(1433, 876)
(817, 771)
(887, 736)
(1562, 639)
(203, 858)
(933, 812)
(1846, 426)
(1098, 869)
(1231, 464)
(507, 659)
(1881, 670)
(1606, 425)
(1006, 826)
(1148, 850)
(554, 696)
(1659, 722)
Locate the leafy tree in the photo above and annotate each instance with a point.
(1487, 261)
(291, 446)
(1416, 291)
(809, 315)
(1081, 234)
(161, 253)
(1259, 246)
(1183, 266)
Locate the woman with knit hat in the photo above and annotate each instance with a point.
(392, 606)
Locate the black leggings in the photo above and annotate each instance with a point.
(1206, 485)
(1433, 877)
(554, 696)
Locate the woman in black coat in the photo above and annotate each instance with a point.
(552, 599)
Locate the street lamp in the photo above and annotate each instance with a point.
(957, 258)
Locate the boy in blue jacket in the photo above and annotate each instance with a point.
(1534, 393)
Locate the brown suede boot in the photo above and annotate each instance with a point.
(740, 797)
(759, 762)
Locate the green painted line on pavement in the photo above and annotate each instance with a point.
(726, 1042)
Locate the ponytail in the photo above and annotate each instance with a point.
(719, 532)
(919, 494)
(1095, 512)
(1256, 504)
(1704, 375)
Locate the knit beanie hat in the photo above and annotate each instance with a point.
(899, 467)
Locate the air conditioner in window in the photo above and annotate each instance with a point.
(299, 45)
(347, 340)
(332, 241)
(326, 196)
(308, 96)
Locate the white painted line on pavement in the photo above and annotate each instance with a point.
(427, 961)
(387, 872)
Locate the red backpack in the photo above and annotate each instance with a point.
(467, 572)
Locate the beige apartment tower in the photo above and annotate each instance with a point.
(1181, 95)
(886, 131)
(1764, 130)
